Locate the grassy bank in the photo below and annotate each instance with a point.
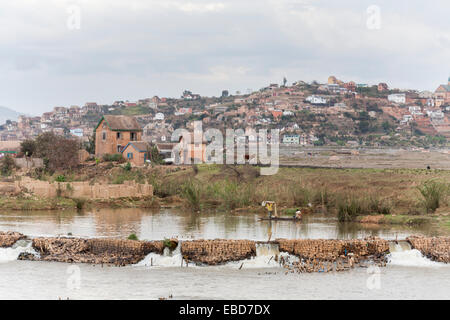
(7, 203)
(60, 203)
(347, 192)
(350, 193)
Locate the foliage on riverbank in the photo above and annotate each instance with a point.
(18, 203)
(348, 192)
(60, 203)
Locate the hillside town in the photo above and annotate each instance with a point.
(307, 114)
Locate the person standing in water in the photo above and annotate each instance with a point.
(298, 214)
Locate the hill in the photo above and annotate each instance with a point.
(8, 114)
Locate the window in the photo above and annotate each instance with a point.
(104, 135)
(130, 155)
(133, 136)
(118, 135)
(119, 148)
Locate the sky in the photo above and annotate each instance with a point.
(63, 53)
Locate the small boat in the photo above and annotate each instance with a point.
(280, 219)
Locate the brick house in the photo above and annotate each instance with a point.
(190, 150)
(113, 133)
(442, 94)
(136, 152)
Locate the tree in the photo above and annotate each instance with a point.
(155, 156)
(7, 165)
(57, 152)
(386, 126)
(364, 126)
(28, 147)
(90, 145)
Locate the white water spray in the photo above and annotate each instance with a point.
(12, 253)
(401, 254)
(167, 259)
(267, 256)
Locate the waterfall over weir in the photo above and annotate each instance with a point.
(401, 254)
(167, 259)
(12, 253)
(267, 256)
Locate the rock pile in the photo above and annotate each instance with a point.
(318, 255)
(436, 248)
(94, 251)
(7, 239)
(213, 252)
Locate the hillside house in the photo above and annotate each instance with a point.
(291, 139)
(399, 98)
(442, 94)
(137, 152)
(189, 150)
(113, 133)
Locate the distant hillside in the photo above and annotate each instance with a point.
(8, 114)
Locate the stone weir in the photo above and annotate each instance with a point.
(436, 249)
(312, 254)
(7, 239)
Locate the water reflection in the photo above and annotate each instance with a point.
(164, 223)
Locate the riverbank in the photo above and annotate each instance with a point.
(349, 193)
(33, 203)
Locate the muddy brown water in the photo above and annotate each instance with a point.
(165, 223)
(408, 276)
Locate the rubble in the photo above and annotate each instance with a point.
(314, 255)
(213, 252)
(436, 248)
(95, 251)
(7, 239)
(320, 255)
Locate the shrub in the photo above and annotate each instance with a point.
(61, 178)
(167, 243)
(80, 203)
(300, 195)
(132, 237)
(7, 165)
(349, 209)
(191, 193)
(127, 167)
(116, 157)
(378, 206)
(28, 147)
(433, 193)
(164, 188)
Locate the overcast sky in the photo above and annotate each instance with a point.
(132, 49)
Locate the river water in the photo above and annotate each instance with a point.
(407, 276)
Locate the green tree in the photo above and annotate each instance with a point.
(7, 165)
(28, 147)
